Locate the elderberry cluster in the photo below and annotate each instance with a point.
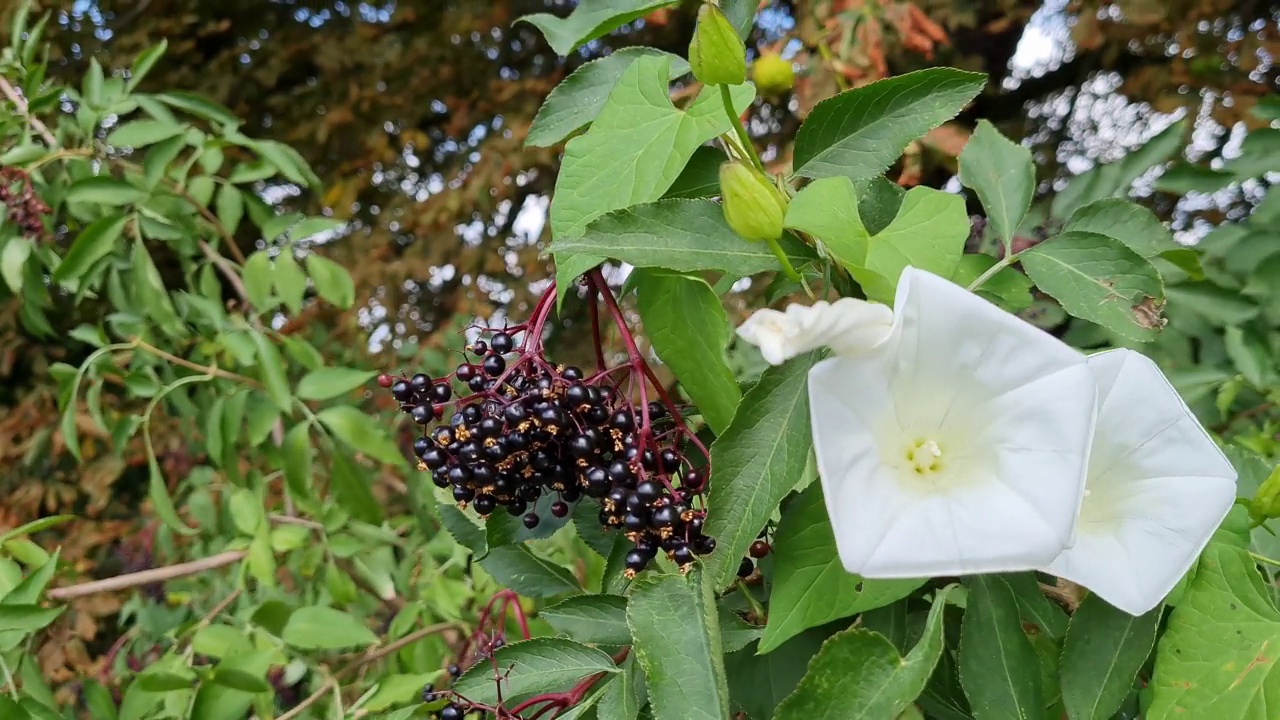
(22, 206)
(530, 429)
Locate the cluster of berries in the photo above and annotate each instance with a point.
(23, 207)
(529, 429)
(758, 550)
(453, 710)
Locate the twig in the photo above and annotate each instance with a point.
(203, 369)
(147, 577)
(20, 103)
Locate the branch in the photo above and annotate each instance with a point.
(20, 103)
(148, 577)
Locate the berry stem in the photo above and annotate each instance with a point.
(744, 139)
(595, 330)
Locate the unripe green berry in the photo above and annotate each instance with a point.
(772, 75)
(753, 206)
(717, 55)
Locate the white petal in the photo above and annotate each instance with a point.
(1011, 410)
(1158, 487)
(849, 326)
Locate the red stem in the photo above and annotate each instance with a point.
(595, 330)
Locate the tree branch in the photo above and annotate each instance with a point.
(148, 577)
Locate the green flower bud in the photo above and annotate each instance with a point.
(753, 206)
(772, 75)
(1266, 503)
(717, 54)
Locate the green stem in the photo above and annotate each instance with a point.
(1264, 559)
(8, 679)
(1001, 264)
(787, 269)
(756, 608)
(739, 129)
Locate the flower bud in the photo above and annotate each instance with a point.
(753, 206)
(1266, 503)
(772, 75)
(717, 54)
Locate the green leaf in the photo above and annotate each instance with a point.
(1133, 225)
(638, 135)
(679, 235)
(142, 64)
(26, 618)
(331, 382)
(104, 190)
(399, 689)
(861, 132)
(362, 433)
(625, 694)
(928, 233)
(998, 667)
(271, 371)
(518, 568)
(323, 628)
(1099, 279)
(92, 244)
(1217, 656)
(595, 619)
(332, 281)
(13, 260)
(540, 665)
(736, 633)
(1008, 288)
(810, 586)
(239, 680)
(589, 21)
(757, 461)
(1183, 178)
(502, 528)
(701, 175)
(350, 488)
(161, 504)
(214, 701)
(141, 133)
(1034, 608)
(1103, 652)
(159, 680)
(1259, 155)
(296, 457)
(289, 280)
(1251, 355)
(878, 202)
(683, 660)
(827, 209)
(91, 88)
(1113, 179)
(1001, 173)
(257, 276)
(578, 99)
(229, 207)
(688, 328)
(859, 674)
(759, 683)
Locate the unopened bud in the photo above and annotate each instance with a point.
(753, 206)
(1266, 502)
(717, 55)
(772, 75)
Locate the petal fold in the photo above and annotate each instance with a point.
(847, 326)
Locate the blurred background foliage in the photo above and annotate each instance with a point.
(413, 114)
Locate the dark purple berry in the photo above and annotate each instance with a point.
(622, 421)
(455, 672)
(433, 457)
(422, 414)
(571, 373)
(635, 561)
(517, 507)
(462, 493)
(401, 391)
(494, 365)
(582, 446)
(531, 520)
(419, 383)
(648, 491)
(501, 343)
(745, 568)
(682, 555)
(559, 509)
(451, 712)
(466, 372)
(664, 517)
(484, 504)
(441, 392)
(704, 545)
(759, 549)
(670, 460)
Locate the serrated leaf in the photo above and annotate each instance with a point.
(998, 666)
(1135, 226)
(810, 586)
(638, 135)
(1216, 658)
(589, 21)
(1099, 279)
(1008, 288)
(1001, 173)
(577, 100)
(679, 235)
(701, 175)
(625, 694)
(928, 233)
(362, 433)
(595, 619)
(517, 567)
(827, 209)
(759, 683)
(540, 665)
(683, 661)
(331, 382)
(1102, 654)
(757, 461)
(689, 329)
(93, 243)
(859, 675)
(861, 132)
(141, 133)
(332, 281)
(350, 487)
(324, 628)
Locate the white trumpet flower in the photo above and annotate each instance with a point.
(848, 326)
(1157, 488)
(957, 445)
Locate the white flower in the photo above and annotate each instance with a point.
(848, 326)
(958, 445)
(1157, 488)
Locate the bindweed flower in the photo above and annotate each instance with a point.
(958, 445)
(1157, 488)
(848, 325)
